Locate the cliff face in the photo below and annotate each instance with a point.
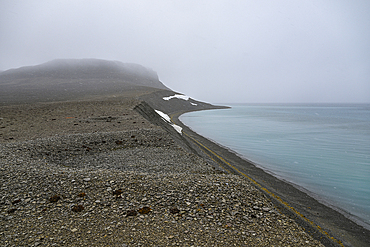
(67, 79)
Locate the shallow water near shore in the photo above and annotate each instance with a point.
(323, 148)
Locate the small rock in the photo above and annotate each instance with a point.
(54, 198)
(246, 218)
(10, 211)
(74, 230)
(131, 213)
(174, 211)
(77, 208)
(16, 201)
(144, 210)
(87, 179)
(116, 192)
(82, 194)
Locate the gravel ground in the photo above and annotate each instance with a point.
(101, 183)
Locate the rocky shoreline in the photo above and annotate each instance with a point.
(96, 173)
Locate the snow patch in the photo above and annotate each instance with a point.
(167, 118)
(177, 128)
(178, 96)
(163, 115)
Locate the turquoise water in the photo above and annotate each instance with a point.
(323, 148)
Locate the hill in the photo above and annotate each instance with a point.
(71, 79)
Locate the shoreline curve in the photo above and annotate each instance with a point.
(324, 223)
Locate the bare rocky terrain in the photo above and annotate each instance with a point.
(96, 173)
(90, 170)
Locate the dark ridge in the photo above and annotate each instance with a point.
(70, 79)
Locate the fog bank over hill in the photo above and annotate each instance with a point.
(68, 79)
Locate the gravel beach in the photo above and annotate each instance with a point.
(96, 173)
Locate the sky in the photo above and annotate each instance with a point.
(219, 51)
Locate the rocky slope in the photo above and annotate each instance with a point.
(66, 79)
(96, 173)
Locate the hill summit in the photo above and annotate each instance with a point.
(68, 79)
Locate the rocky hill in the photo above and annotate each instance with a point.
(70, 79)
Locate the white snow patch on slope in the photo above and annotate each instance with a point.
(163, 115)
(177, 128)
(167, 118)
(178, 96)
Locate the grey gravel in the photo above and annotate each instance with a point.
(176, 198)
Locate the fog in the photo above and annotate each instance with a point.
(217, 51)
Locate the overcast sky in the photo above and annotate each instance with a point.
(217, 51)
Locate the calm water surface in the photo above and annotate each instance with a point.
(323, 148)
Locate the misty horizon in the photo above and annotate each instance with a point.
(218, 52)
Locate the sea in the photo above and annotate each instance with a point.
(324, 149)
